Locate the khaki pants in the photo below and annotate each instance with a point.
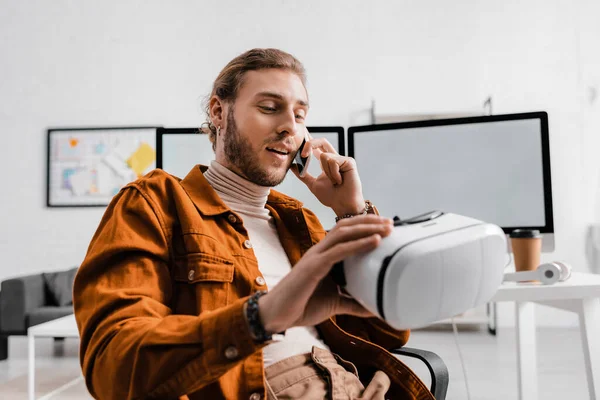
(321, 375)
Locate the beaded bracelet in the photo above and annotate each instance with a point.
(367, 210)
(257, 330)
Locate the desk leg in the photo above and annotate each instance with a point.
(31, 375)
(526, 351)
(589, 326)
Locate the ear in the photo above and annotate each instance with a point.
(216, 108)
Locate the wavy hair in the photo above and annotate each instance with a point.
(231, 78)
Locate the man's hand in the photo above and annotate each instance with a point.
(338, 186)
(307, 296)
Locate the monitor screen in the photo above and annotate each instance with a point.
(494, 168)
(179, 149)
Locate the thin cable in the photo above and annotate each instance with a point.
(462, 362)
(509, 260)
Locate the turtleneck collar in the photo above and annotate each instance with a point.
(238, 193)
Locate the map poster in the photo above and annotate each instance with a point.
(88, 166)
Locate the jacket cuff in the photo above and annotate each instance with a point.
(225, 341)
(226, 337)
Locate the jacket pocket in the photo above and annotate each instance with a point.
(200, 267)
(203, 282)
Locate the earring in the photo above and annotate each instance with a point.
(218, 130)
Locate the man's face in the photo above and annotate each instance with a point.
(264, 127)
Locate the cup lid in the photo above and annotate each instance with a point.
(525, 233)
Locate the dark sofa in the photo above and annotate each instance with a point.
(33, 299)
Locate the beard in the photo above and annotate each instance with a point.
(239, 152)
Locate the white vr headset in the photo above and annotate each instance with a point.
(431, 267)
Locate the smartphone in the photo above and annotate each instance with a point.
(302, 162)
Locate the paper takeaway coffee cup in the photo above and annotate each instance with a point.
(526, 247)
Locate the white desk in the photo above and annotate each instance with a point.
(64, 327)
(580, 294)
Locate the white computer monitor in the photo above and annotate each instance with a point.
(179, 149)
(493, 168)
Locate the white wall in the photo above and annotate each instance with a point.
(84, 63)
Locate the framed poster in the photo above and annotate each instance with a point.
(88, 166)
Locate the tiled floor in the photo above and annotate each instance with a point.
(490, 363)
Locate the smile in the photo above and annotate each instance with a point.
(278, 150)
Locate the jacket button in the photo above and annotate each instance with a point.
(191, 274)
(255, 396)
(231, 353)
(247, 244)
(232, 218)
(260, 280)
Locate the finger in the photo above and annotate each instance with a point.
(364, 219)
(355, 228)
(346, 163)
(317, 153)
(348, 306)
(334, 168)
(326, 167)
(339, 251)
(308, 179)
(378, 386)
(331, 168)
(343, 164)
(320, 145)
(353, 232)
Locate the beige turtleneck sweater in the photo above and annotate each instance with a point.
(248, 200)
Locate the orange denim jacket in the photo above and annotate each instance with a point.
(158, 299)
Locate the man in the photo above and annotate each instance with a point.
(188, 291)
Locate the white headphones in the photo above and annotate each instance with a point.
(547, 274)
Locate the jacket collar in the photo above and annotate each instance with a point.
(208, 202)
